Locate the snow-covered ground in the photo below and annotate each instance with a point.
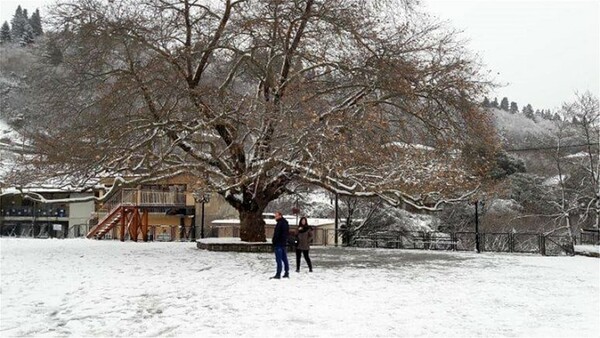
(105, 288)
(589, 250)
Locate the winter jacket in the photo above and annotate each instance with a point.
(280, 235)
(304, 239)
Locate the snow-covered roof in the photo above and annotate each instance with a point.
(314, 222)
(41, 189)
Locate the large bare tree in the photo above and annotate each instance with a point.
(359, 97)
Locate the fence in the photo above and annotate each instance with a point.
(467, 241)
(43, 230)
(591, 237)
(144, 197)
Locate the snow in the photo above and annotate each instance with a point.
(554, 180)
(412, 146)
(500, 205)
(578, 155)
(226, 240)
(292, 220)
(84, 287)
(589, 250)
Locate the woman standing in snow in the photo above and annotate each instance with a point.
(304, 239)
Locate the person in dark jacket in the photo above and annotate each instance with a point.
(279, 241)
(304, 240)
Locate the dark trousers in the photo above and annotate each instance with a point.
(281, 259)
(306, 258)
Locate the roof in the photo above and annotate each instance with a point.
(314, 222)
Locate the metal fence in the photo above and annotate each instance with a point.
(468, 241)
(590, 237)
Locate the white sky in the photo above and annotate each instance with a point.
(542, 50)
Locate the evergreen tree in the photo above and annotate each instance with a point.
(575, 120)
(25, 14)
(36, 23)
(528, 111)
(486, 102)
(27, 37)
(504, 104)
(556, 117)
(514, 108)
(495, 103)
(5, 33)
(17, 25)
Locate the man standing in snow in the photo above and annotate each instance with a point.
(279, 241)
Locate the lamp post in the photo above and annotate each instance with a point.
(201, 197)
(336, 220)
(477, 224)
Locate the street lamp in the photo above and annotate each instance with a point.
(202, 197)
(477, 202)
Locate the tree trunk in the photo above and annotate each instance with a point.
(252, 226)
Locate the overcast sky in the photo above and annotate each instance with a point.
(541, 50)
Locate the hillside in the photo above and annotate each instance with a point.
(518, 131)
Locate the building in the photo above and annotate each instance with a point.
(22, 217)
(324, 228)
(170, 210)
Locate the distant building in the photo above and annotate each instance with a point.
(324, 228)
(22, 217)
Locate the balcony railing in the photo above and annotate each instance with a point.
(34, 212)
(139, 197)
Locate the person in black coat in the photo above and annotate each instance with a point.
(279, 241)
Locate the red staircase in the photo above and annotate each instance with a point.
(127, 210)
(107, 223)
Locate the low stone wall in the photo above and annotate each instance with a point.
(588, 250)
(236, 247)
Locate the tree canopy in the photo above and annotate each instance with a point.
(361, 98)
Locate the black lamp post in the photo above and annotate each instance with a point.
(336, 220)
(203, 198)
(477, 202)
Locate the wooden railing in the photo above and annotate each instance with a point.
(138, 197)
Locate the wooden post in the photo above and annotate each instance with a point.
(122, 230)
(144, 222)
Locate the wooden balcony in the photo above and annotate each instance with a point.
(129, 209)
(145, 198)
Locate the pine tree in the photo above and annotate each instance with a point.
(528, 111)
(575, 120)
(27, 37)
(514, 108)
(556, 117)
(486, 102)
(504, 104)
(5, 33)
(17, 24)
(25, 14)
(495, 103)
(36, 23)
